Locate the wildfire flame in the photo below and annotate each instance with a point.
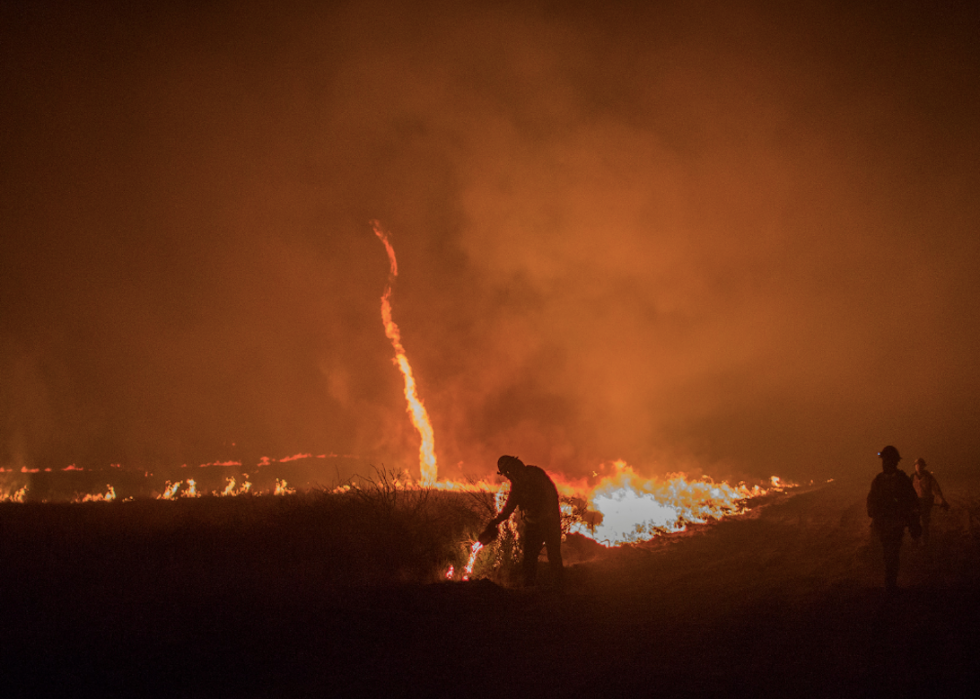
(633, 509)
(282, 488)
(619, 508)
(18, 495)
(170, 490)
(417, 412)
(109, 496)
(625, 508)
(468, 570)
(230, 489)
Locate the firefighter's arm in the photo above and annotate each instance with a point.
(508, 510)
(939, 492)
(915, 523)
(490, 532)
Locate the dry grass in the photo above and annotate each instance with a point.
(376, 533)
(319, 593)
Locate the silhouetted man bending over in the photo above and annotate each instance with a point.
(535, 494)
(893, 506)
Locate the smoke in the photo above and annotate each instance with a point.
(737, 240)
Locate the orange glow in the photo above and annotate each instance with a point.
(417, 412)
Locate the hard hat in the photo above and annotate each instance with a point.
(889, 452)
(921, 461)
(505, 464)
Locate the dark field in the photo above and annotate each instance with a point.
(311, 595)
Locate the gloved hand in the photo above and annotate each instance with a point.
(488, 534)
(915, 529)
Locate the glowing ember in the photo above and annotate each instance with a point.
(420, 418)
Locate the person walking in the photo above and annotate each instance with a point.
(928, 491)
(892, 506)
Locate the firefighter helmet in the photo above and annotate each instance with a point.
(890, 453)
(506, 464)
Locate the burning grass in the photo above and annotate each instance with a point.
(379, 531)
(302, 541)
(259, 595)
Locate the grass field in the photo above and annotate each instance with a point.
(324, 594)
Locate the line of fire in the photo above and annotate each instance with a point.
(615, 507)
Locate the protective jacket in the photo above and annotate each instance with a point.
(892, 501)
(926, 486)
(535, 494)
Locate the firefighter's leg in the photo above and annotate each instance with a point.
(891, 543)
(553, 545)
(925, 517)
(533, 542)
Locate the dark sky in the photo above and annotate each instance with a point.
(740, 238)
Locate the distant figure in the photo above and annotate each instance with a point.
(893, 506)
(928, 490)
(535, 494)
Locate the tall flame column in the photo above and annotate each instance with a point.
(416, 411)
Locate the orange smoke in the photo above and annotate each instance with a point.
(420, 418)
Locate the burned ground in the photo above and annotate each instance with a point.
(785, 601)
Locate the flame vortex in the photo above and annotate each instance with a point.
(417, 412)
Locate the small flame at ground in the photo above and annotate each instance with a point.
(282, 488)
(468, 570)
(230, 489)
(18, 495)
(109, 496)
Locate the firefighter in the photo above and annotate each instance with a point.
(535, 494)
(928, 490)
(893, 506)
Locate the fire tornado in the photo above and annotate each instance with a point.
(417, 412)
